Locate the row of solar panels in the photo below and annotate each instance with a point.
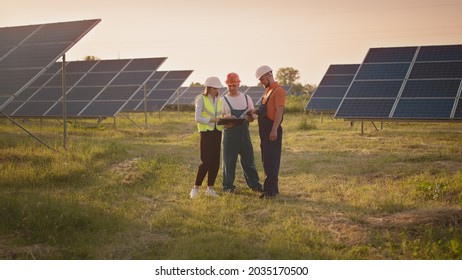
(409, 83)
(26, 52)
(31, 80)
(99, 88)
(106, 87)
(187, 95)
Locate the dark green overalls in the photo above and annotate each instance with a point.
(236, 141)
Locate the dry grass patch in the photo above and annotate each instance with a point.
(409, 219)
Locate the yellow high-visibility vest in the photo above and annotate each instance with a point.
(210, 112)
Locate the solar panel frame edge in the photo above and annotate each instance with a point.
(331, 68)
(457, 104)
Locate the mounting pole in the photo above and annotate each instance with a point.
(145, 107)
(63, 80)
(26, 131)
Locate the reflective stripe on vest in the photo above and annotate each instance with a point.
(210, 112)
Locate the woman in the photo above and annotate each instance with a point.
(208, 112)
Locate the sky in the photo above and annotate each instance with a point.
(213, 38)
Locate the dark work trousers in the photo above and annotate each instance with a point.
(210, 144)
(270, 151)
(237, 141)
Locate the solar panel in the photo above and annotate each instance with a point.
(187, 95)
(406, 83)
(161, 88)
(176, 99)
(332, 88)
(94, 88)
(257, 93)
(27, 51)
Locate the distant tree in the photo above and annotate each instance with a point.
(310, 88)
(287, 76)
(91, 58)
(307, 89)
(196, 84)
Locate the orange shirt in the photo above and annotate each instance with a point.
(278, 98)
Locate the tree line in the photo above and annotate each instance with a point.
(287, 76)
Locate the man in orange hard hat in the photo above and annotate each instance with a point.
(270, 115)
(236, 138)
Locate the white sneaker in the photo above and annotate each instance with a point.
(211, 192)
(194, 192)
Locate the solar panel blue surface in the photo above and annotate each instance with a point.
(342, 69)
(440, 53)
(424, 108)
(27, 51)
(388, 71)
(324, 104)
(337, 80)
(458, 113)
(188, 96)
(374, 89)
(329, 92)
(410, 83)
(373, 108)
(161, 88)
(399, 54)
(332, 88)
(90, 85)
(431, 88)
(256, 93)
(437, 70)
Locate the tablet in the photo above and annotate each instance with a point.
(231, 121)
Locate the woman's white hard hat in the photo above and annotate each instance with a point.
(213, 82)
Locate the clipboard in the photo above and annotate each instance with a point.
(237, 121)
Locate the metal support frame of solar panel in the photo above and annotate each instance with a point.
(188, 96)
(176, 100)
(160, 88)
(94, 88)
(332, 88)
(27, 51)
(407, 83)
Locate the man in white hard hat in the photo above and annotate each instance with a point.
(270, 115)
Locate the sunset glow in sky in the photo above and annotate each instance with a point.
(214, 38)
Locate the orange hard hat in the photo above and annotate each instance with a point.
(232, 79)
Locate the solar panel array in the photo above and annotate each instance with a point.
(406, 83)
(188, 95)
(332, 88)
(162, 87)
(94, 88)
(27, 51)
(177, 100)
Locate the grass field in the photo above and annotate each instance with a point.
(394, 193)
